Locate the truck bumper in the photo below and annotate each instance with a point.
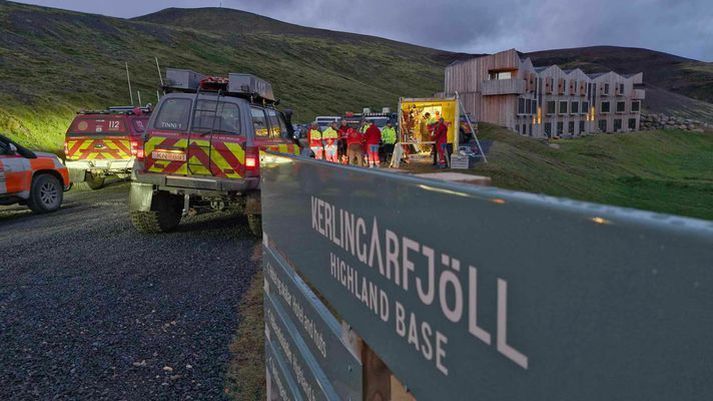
(78, 168)
(193, 184)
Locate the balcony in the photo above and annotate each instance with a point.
(638, 94)
(503, 87)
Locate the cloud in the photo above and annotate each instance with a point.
(680, 27)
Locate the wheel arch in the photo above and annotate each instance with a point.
(54, 173)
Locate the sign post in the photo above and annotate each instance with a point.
(472, 293)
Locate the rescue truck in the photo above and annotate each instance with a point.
(202, 149)
(35, 179)
(99, 144)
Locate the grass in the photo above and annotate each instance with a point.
(662, 171)
(246, 372)
(54, 62)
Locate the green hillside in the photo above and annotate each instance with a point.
(55, 62)
(663, 171)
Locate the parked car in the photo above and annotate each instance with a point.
(35, 179)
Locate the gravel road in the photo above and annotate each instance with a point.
(92, 310)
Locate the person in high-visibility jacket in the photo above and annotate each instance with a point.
(315, 141)
(388, 137)
(373, 138)
(330, 137)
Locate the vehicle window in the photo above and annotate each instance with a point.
(140, 125)
(277, 126)
(218, 117)
(4, 148)
(173, 115)
(259, 121)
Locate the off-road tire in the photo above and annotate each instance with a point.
(164, 216)
(255, 224)
(46, 194)
(94, 181)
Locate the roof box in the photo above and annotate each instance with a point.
(249, 84)
(183, 79)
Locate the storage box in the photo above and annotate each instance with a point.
(250, 85)
(183, 79)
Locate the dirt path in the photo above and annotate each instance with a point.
(90, 309)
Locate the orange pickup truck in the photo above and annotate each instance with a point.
(35, 179)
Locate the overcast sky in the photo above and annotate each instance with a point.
(682, 27)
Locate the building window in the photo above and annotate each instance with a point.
(574, 108)
(581, 126)
(620, 107)
(632, 124)
(606, 89)
(617, 125)
(603, 125)
(571, 127)
(500, 75)
(548, 129)
(621, 89)
(605, 107)
(520, 106)
(528, 106)
(529, 128)
(585, 107)
(551, 104)
(563, 107)
(635, 106)
(560, 127)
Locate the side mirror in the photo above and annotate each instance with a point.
(12, 148)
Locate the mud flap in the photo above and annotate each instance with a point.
(140, 196)
(77, 175)
(253, 203)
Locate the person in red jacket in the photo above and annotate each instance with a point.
(440, 136)
(343, 129)
(373, 138)
(354, 147)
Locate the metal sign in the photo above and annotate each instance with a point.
(471, 293)
(307, 337)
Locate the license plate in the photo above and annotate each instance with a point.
(171, 156)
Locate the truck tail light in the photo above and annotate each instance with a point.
(252, 161)
(136, 149)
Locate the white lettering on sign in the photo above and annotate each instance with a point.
(291, 357)
(438, 279)
(304, 320)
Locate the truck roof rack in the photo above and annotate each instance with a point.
(128, 110)
(236, 84)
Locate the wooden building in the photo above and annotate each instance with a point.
(507, 90)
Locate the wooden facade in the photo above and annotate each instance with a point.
(506, 90)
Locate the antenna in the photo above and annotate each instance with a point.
(160, 78)
(139, 94)
(128, 80)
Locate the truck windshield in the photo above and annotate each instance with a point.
(379, 121)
